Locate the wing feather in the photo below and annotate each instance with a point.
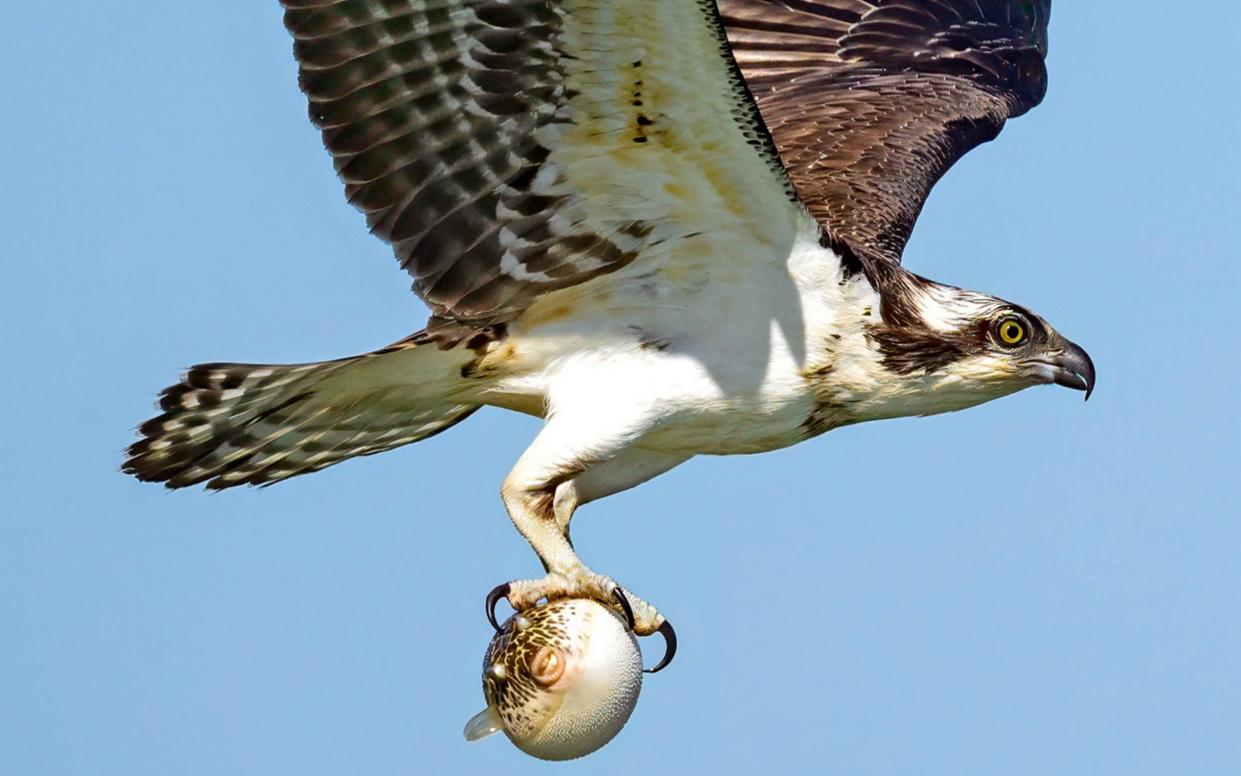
(510, 148)
(871, 101)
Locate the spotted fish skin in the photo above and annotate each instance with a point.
(581, 705)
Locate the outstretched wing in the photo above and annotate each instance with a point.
(871, 101)
(510, 148)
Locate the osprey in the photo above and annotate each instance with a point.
(667, 227)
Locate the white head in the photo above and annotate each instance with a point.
(936, 348)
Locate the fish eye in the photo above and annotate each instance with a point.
(1011, 331)
(546, 665)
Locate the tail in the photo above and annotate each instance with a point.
(247, 424)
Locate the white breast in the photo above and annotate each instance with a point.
(713, 350)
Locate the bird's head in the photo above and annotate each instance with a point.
(944, 348)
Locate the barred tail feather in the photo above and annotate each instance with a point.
(249, 424)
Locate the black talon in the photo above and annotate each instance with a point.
(493, 598)
(670, 648)
(625, 607)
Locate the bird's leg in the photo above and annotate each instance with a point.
(534, 514)
(542, 492)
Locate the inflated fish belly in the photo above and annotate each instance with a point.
(560, 679)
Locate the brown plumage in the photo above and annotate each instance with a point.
(436, 115)
(441, 115)
(871, 101)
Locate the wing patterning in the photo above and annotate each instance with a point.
(506, 149)
(255, 424)
(871, 101)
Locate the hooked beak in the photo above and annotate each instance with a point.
(1071, 367)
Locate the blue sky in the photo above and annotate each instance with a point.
(1034, 586)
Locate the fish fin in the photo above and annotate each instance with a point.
(482, 724)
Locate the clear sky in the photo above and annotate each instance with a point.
(1035, 586)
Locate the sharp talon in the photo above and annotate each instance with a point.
(625, 607)
(493, 598)
(670, 648)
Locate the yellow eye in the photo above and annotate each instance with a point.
(1011, 331)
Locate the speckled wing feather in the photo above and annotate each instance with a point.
(253, 424)
(494, 144)
(871, 101)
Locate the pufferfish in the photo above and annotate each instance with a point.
(561, 679)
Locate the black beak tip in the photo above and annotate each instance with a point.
(1074, 369)
(1087, 373)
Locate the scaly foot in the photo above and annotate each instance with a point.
(643, 619)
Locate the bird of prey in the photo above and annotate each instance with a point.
(669, 228)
